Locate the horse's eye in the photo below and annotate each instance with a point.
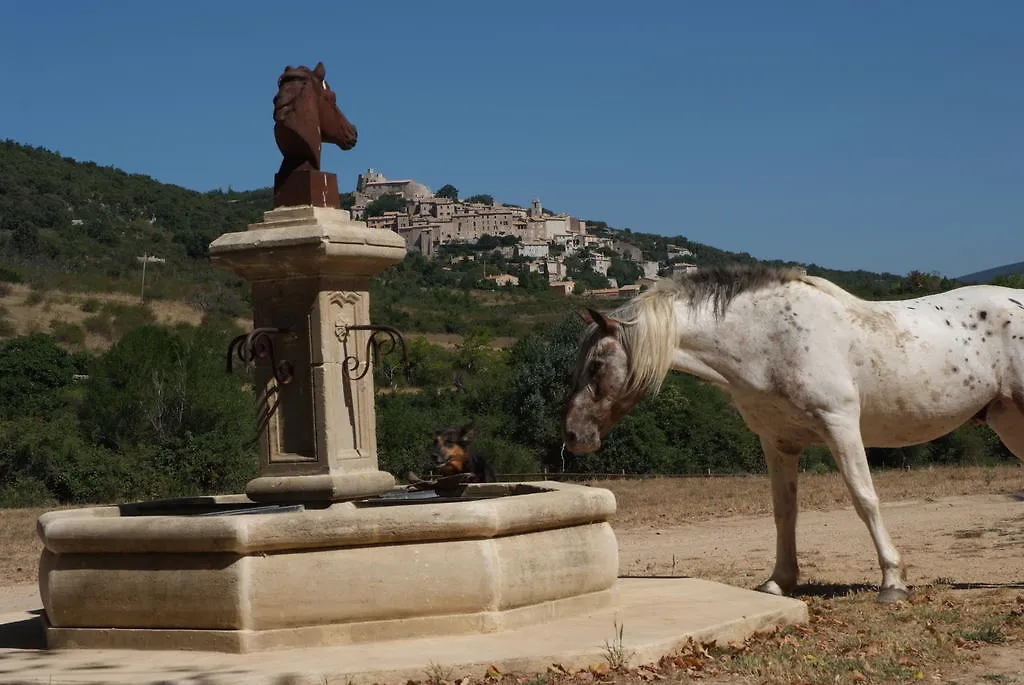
(595, 367)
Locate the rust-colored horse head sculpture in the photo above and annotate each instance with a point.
(306, 114)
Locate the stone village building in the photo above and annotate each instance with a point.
(428, 222)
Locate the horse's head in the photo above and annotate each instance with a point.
(601, 393)
(306, 114)
(334, 127)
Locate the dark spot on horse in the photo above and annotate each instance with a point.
(973, 326)
(983, 315)
(806, 348)
(966, 382)
(956, 369)
(911, 308)
(1017, 303)
(1006, 323)
(789, 307)
(948, 323)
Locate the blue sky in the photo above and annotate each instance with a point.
(854, 134)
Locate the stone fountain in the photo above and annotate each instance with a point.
(322, 549)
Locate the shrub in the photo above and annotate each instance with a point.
(67, 332)
(9, 275)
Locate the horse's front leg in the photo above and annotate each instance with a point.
(782, 471)
(847, 446)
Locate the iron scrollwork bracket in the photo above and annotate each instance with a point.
(383, 340)
(259, 344)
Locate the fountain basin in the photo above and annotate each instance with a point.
(179, 574)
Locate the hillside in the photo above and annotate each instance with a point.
(988, 275)
(95, 406)
(76, 227)
(79, 226)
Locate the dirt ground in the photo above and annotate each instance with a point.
(967, 542)
(975, 539)
(970, 544)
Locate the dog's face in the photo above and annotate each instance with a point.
(451, 449)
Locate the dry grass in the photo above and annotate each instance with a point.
(19, 545)
(666, 501)
(28, 311)
(851, 639)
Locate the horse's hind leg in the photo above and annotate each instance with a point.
(1006, 417)
(782, 470)
(847, 446)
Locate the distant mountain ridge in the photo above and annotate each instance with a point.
(995, 272)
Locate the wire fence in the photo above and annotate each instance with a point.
(562, 476)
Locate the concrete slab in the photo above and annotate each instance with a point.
(657, 615)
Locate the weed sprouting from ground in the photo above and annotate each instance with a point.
(438, 674)
(615, 652)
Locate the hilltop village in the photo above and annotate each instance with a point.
(540, 239)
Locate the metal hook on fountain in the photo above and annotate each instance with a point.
(382, 341)
(258, 344)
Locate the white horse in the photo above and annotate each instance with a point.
(806, 363)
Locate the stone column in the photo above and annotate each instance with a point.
(310, 269)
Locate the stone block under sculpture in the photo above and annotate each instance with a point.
(344, 573)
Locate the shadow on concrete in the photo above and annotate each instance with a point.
(25, 634)
(834, 590)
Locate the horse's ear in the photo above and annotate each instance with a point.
(607, 324)
(320, 71)
(468, 430)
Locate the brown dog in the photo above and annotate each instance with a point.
(452, 454)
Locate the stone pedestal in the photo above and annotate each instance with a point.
(310, 269)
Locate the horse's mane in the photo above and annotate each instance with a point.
(649, 320)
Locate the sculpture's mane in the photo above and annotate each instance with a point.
(291, 87)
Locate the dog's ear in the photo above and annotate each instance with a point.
(467, 432)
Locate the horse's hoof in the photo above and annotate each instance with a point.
(770, 587)
(893, 595)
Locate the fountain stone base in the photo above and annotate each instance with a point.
(183, 574)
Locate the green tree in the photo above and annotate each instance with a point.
(35, 375)
(540, 371)
(482, 198)
(389, 202)
(449, 191)
(625, 272)
(1010, 281)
